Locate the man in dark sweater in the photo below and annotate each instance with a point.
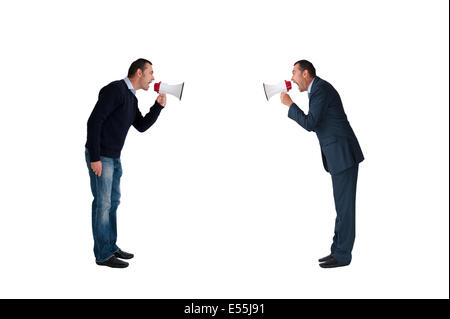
(116, 110)
(341, 153)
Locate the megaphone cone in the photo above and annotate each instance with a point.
(175, 90)
(272, 89)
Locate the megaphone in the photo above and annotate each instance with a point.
(175, 90)
(272, 89)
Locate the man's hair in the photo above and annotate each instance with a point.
(306, 65)
(138, 64)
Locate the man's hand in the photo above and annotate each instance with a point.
(161, 99)
(97, 168)
(286, 99)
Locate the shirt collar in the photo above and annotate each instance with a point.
(310, 85)
(130, 86)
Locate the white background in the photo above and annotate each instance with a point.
(225, 196)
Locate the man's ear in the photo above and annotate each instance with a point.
(139, 72)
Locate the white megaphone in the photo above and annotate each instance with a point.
(175, 90)
(272, 89)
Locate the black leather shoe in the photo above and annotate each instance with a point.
(321, 260)
(123, 254)
(332, 263)
(113, 262)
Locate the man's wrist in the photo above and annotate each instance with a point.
(159, 104)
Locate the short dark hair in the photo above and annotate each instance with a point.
(136, 65)
(306, 65)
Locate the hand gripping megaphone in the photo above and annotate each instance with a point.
(164, 88)
(272, 89)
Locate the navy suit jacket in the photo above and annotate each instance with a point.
(326, 116)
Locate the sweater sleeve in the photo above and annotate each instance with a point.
(143, 123)
(106, 104)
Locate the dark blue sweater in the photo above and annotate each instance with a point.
(116, 110)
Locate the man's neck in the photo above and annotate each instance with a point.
(134, 83)
(309, 84)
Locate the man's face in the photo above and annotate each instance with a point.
(146, 77)
(300, 78)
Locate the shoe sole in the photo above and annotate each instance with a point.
(114, 266)
(333, 266)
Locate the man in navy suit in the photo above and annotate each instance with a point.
(341, 153)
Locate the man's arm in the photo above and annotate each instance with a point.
(143, 123)
(106, 104)
(317, 109)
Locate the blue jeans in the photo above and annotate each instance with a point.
(106, 191)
